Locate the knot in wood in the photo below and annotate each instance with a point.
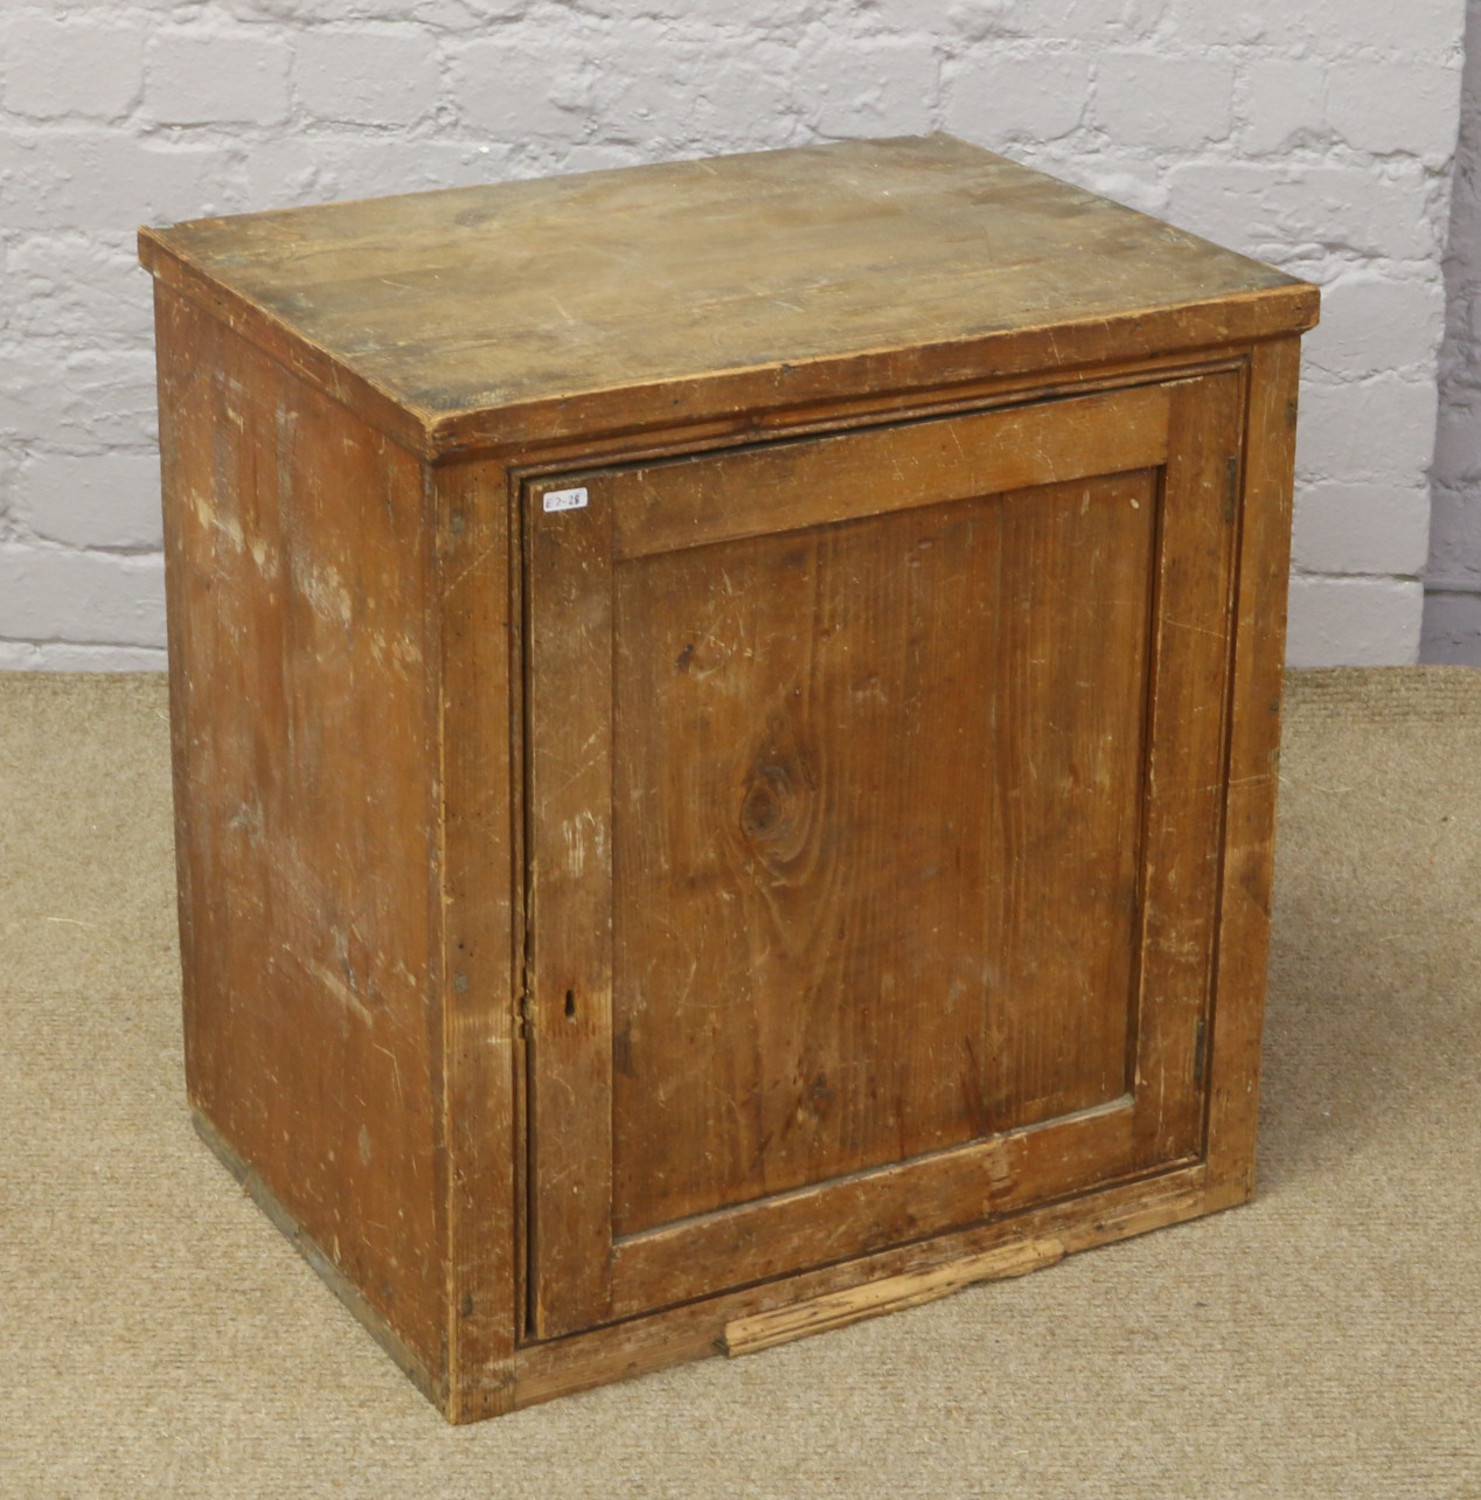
(777, 808)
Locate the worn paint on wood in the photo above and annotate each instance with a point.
(303, 680)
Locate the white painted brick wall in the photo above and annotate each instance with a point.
(219, 80)
(382, 77)
(1315, 135)
(71, 71)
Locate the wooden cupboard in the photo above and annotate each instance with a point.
(725, 721)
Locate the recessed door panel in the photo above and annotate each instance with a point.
(876, 821)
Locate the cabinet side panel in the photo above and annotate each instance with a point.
(303, 697)
(1254, 752)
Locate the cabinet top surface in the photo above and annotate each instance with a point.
(475, 299)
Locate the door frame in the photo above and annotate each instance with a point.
(579, 1276)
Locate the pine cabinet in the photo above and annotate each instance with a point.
(724, 724)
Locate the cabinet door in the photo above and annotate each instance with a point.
(874, 798)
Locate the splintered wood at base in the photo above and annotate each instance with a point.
(872, 1300)
(693, 1331)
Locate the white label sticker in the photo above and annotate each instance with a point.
(566, 500)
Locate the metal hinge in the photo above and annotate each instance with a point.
(1231, 489)
(524, 1015)
(1198, 1051)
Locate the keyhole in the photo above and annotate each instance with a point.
(570, 1005)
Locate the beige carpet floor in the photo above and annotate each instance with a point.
(157, 1336)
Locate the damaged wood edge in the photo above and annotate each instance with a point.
(874, 1299)
(1132, 1210)
(378, 408)
(433, 1387)
(673, 1335)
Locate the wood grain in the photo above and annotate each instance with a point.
(868, 1211)
(1186, 762)
(619, 298)
(569, 850)
(303, 696)
(788, 486)
(482, 938)
(1254, 758)
(856, 770)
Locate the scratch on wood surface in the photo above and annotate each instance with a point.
(395, 1074)
(469, 568)
(1218, 635)
(560, 308)
(336, 985)
(248, 819)
(574, 832)
(266, 561)
(682, 1001)
(582, 765)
